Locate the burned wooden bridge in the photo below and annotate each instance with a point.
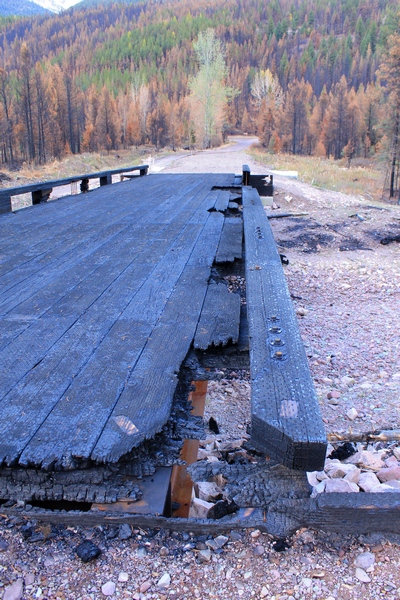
(111, 303)
(102, 297)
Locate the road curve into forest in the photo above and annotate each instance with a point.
(225, 159)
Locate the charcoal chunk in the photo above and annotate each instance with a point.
(87, 551)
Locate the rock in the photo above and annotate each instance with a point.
(221, 540)
(336, 470)
(366, 459)
(205, 556)
(146, 585)
(353, 474)
(301, 311)
(125, 532)
(264, 592)
(364, 560)
(340, 485)
(108, 588)
(165, 581)
(199, 508)
(396, 452)
(29, 579)
(141, 551)
(258, 550)
(391, 462)
(348, 381)
(386, 487)
(352, 414)
(3, 546)
(164, 551)
(368, 481)
(208, 491)
(318, 489)
(333, 395)
(212, 545)
(389, 474)
(14, 591)
(87, 551)
(394, 484)
(255, 534)
(362, 576)
(123, 577)
(312, 478)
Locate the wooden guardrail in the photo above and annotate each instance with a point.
(41, 191)
(286, 419)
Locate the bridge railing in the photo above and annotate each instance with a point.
(41, 191)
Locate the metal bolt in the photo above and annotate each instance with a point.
(275, 329)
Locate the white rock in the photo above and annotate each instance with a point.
(108, 588)
(364, 560)
(366, 459)
(165, 580)
(353, 474)
(264, 592)
(318, 489)
(391, 462)
(312, 478)
(368, 481)
(396, 452)
(123, 577)
(14, 591)
(207, 490)
(362, 575)
(340, 485)
(389, 474)
(352, 414)
(386, 487)
(394, 484)
(348, 381)
(199, 508)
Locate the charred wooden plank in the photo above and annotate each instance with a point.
(230, 245)
(286, 420)
(220, 318)
(145, 402)
(113, 330)
(72, 313)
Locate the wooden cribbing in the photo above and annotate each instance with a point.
(286, 420)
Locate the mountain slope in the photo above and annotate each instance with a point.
(21, 8)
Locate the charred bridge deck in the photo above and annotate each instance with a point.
(105, 299)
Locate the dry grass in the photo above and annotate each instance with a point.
(77, 164)
(362, 178)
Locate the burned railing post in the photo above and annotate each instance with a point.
(246, 175)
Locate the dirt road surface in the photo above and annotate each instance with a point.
(345, 286)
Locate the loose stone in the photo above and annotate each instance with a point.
(362, 576)
(165, 581)
(108, 588)
(15, 591)
(364, 560)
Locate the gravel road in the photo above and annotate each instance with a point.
(345, 286)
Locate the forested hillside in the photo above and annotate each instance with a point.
(21, 7)
(105, 77)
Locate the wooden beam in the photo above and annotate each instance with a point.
(181, 483)
(286, 419)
